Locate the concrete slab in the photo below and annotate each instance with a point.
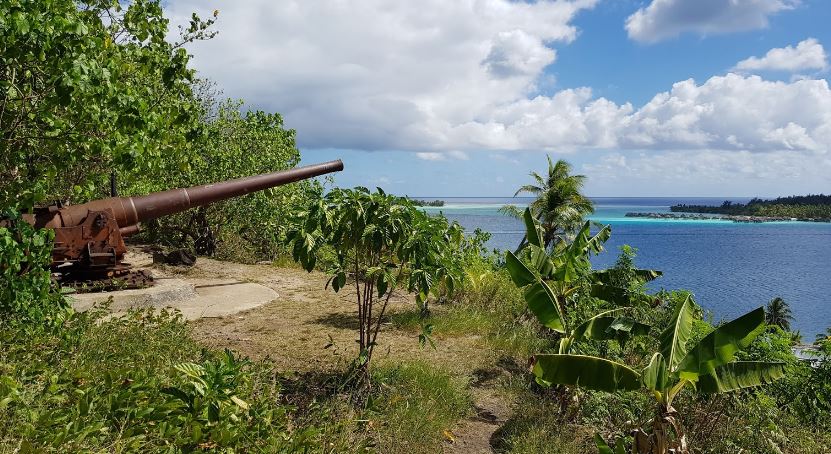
(218, 298)
(195, 298)
(166, 292)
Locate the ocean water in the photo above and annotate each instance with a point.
(730, 267)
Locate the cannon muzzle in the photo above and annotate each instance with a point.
(129, 211)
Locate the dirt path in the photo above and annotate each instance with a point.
(308, 328)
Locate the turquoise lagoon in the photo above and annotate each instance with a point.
(730, 267)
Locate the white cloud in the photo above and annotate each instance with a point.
(731, 113)
(431, 156)
(442, 156)
(664, 19)
(376, 74)
(707, 172)
(462, 76)
(458, 154)
(807, 55)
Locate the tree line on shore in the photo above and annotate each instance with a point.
(800, 207)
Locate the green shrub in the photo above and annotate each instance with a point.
(382, 243)
(136, 383)
(26, 291)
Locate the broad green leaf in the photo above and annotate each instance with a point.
(586, 371)
(520, 273)
(597, 326)
(648, 275)
(674, 338)
(622, 328)
(629, 326)
(655, 374)
(620, 447)
(543, 304)
(615, 295)
(602, 446)
(381, 284)
(567, 271)
(532, 231)
(720, 346)
(605, 277)
(740, 374)
(585, 243)
(541, 261)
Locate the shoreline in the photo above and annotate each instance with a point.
(722, 217)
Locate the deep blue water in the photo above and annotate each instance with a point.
(731, 268)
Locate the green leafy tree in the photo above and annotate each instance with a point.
(87, 87)
(235, 145)
(382, 242)
(778, 313)
(559, 205)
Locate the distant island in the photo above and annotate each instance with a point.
(427, 203)
(694, 216)
(803, 208)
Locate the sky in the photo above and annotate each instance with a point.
(466, 97)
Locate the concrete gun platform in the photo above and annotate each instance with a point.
(195, 298)
(211, 295)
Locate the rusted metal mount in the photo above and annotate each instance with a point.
(121, 279)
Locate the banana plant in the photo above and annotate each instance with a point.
(605, 326)
(706, 367)
(555, 276)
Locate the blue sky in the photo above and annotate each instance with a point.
(435, 98)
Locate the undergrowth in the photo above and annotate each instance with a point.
(489, 306)
(141, 383)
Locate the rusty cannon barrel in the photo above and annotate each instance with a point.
(89, 237)
(129, 211)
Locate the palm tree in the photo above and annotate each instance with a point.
(778, 313)
(559, 206)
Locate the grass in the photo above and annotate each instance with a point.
(491, 307)
(132, 384)
(416, 404)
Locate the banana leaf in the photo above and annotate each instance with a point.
(543, 305)
(520, 274)
(654, 376)
(533, 233)
(541, 261)
(605, 277)
(585, 371)
(568, 270)
(674, 339)
(595, 327)
(610, 326)
(587, 243)
(537, 294)
(622, 328)
(615, 295)
(604, 448)
(720, 346)
(740, 374)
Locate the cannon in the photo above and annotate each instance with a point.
(89, 238)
